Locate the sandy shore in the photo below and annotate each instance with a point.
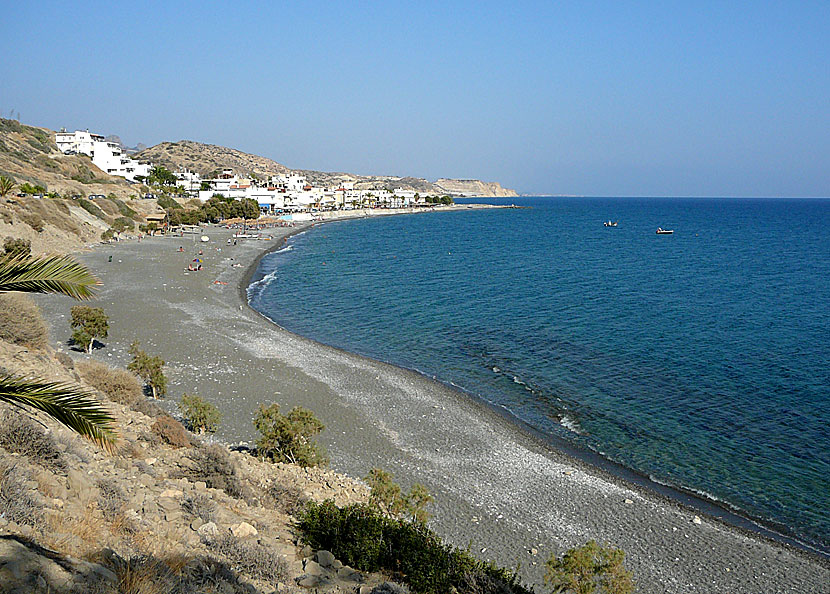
(508, 495)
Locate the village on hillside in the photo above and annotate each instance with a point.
(282, 193)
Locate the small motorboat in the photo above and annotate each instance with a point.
(661, 231)
(610, 224)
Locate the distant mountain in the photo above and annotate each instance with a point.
(207, 159)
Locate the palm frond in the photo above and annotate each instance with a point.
(47, 274)
(65, 403)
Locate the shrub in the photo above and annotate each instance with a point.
(289, 438)
(200, 416)
(88, 323)
(166, 202)
(589, 568)
(122, 224)
(117, 384)
(199, 505)
(107, 235)
(171, 432)
(391, 500)
(111, 499)
(289, 499)
(362, 537)
(125, 210)
(21, 322)
(213, 465)
(17, 503)
(149, 368)
(33, 220)
(20, 435)
(250, 557)
(17, 247)
(88, 206)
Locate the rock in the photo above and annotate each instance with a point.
(348, 574)
(629, 501)
(172, 493)
(168, 504)
(196, 524)
(208, 529)
(309, 581)
(200, 485)
(146, 480)
(534, 551)
(325, 558)
(697, 520)
(173, 516)
(312, 567)
(243, 530)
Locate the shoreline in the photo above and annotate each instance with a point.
(496, 486)
(610, 470)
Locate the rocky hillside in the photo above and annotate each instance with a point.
(206, 159)
(64, 220)
(166, 512)
(29, 155)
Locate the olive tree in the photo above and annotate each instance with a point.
(88, 323)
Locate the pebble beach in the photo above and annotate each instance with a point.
(509, 496)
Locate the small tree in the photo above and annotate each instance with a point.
(390, 499)
(589, 568)
(6, 185)
(149, 369)
(289, 438)
(88, 323)
(14, 248)
(201, 416)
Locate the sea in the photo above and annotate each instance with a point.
(699, 359)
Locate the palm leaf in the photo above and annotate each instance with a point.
(47, 274)
(65, 403)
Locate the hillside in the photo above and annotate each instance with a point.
(206, 159)
(59, 223)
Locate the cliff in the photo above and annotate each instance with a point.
(474, 187)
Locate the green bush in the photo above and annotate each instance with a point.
(166, 202)
(88, 323)
(125, 210)
(362, 537)
(199, 415)
(589, 568)
(122, 224)
(390, 499)
(289, 438)
(149, 368)
(88, 206)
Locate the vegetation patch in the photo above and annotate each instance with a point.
(17, 502)
(199, 505)
(171, 432)
(250, 558)
(88, 206)
(289, 438)
(88, 323)
(213, 465)
(200, 415)
(16, 247)
(21, 322)
(117, 384)
(364, 538)
(20, 435)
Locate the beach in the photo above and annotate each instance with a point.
(497, 488)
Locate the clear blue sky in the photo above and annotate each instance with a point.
(594, 98)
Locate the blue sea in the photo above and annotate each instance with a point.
(700, 359)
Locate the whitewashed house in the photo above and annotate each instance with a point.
(107, 156)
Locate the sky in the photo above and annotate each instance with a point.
(582, 98)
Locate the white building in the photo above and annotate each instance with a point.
(107, 156)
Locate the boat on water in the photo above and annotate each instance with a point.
(610, 224)
(661, 231)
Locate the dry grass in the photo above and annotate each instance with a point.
(17, 502)
(171, 432)
(21, 322)
(250, 557)
(23, 436)
(213, 465)
(118, 385)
